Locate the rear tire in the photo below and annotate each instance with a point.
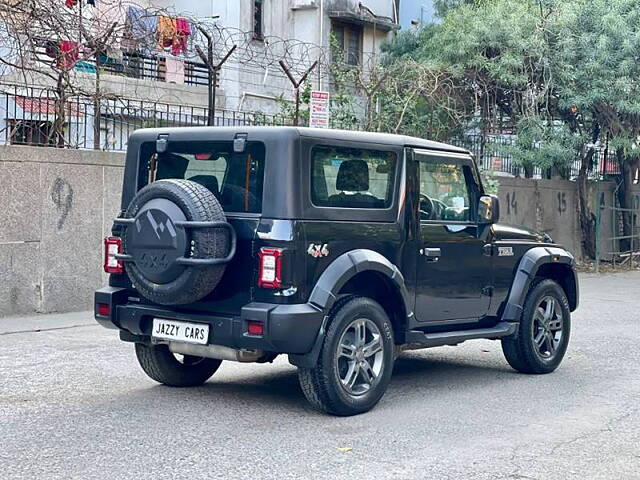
(544, 330)
(356, 361)
(162, 366)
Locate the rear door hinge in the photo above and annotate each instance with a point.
(487, 250)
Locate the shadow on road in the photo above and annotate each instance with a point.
(279, 389)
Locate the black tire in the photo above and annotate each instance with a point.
(188, 284)
(322, 385)
(522, 351)
(162, 366)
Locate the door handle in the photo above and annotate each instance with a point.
(432, 254)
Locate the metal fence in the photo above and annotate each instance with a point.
(613, 244)
(36, 116)
(493, 153)
(133, 64)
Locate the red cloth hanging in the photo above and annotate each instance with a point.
(183, 30)
(69, 54)
(71, 3)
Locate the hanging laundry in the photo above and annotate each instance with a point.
(142, 28)
(183, 31)
(167, 32)
(73, 3)
(69, 54)
(107, 15)
(175, 70)
(85, 67)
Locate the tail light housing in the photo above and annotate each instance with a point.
(270, 272)
(112, 246)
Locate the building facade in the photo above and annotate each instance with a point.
(143, 82)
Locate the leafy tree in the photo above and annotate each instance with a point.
(442, 7)
(600, 43)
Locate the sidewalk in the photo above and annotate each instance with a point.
(43, 322)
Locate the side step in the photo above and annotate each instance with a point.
(423, 340)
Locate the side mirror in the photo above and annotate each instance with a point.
(488, 209)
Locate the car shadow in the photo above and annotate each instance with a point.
(280, 389)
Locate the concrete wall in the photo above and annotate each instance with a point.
(549, 206)
(57, 205)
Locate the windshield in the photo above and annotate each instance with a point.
(236, 179)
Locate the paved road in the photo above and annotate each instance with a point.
(74, 404)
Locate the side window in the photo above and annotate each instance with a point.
(352, 177)
(444, 192)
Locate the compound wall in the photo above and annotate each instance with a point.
(57, 206)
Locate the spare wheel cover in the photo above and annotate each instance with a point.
(154, 242)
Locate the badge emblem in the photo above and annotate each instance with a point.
(318, 250)
(505, 251)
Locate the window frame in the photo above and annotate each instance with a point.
(391, 181)
(471, 180)
(143, 169)
(348, 31)
(364, 215)
(257, 8)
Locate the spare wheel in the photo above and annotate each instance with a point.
(176, 243)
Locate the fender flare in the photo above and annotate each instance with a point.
(345, 267)
(528, 268)
(336, 275)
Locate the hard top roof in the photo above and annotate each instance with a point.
(325, 134)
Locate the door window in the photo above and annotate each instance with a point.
(444, 192)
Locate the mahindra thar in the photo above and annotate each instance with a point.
(339, 249)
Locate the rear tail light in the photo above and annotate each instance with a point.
(112, 246)
(255, 328)
(269, 275)
(104, 309)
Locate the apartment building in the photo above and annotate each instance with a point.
(147, 83)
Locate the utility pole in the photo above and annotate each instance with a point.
(296, 85)
(214, 70)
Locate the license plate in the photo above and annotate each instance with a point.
(180, 331)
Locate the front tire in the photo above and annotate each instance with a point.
(164, 367)
(356, 361)
(544, 330)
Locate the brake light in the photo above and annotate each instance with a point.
(104, 309)
(255, 329)
(112, 246)
(269, 275)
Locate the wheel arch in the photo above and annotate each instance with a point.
(546, 262)
(343, 274)
(359, 272)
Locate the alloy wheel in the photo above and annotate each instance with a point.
(548, 326)
(360, 357)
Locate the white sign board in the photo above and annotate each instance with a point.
(319, 109)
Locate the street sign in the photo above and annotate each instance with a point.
(319, 109)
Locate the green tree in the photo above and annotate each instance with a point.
(600, 45)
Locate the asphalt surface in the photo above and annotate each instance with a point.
(75, 404)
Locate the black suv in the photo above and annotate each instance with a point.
(339, 249)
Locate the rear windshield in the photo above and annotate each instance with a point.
(236, 179)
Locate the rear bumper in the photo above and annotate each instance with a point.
(287, 328)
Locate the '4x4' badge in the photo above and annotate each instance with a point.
(318, 250)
